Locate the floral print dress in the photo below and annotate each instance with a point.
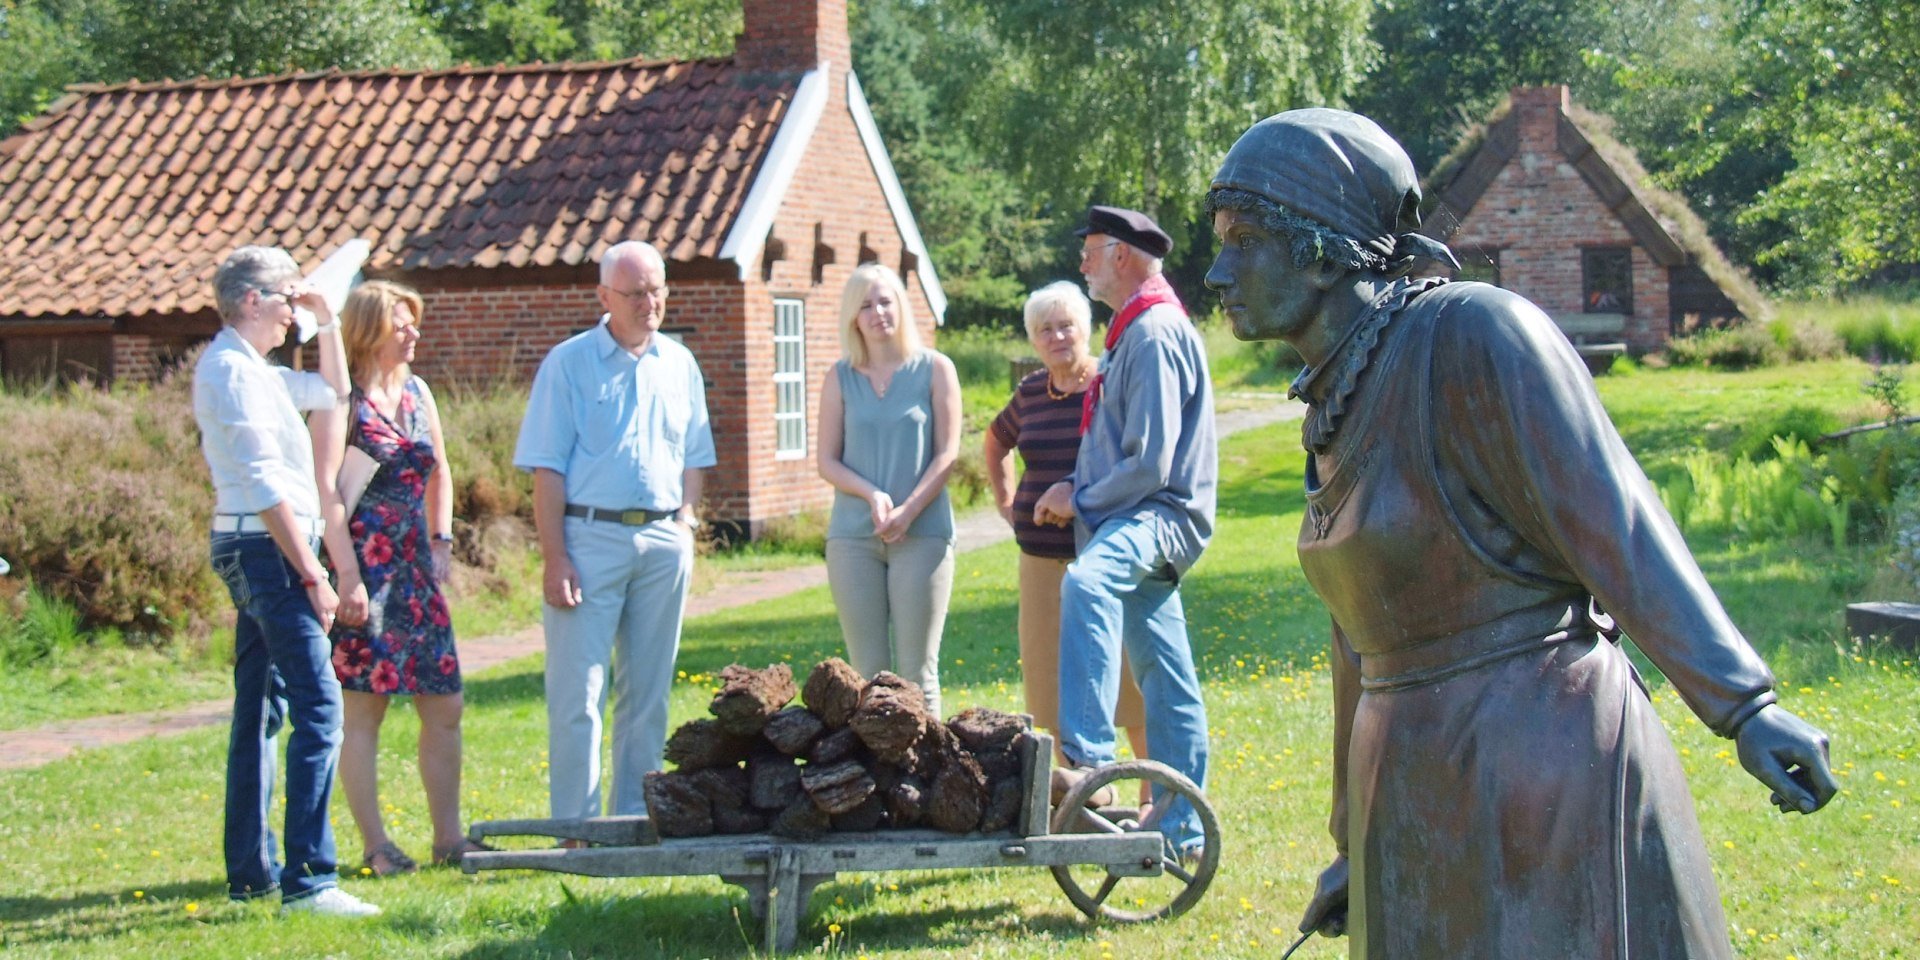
(406, 645)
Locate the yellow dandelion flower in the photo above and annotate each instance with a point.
(193, 907)
(833, 928)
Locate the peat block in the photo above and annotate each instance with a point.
(678, 806)
(700, 744)
(833, 692)
(793, 730)
(773, 781)
(748, 697)
(837, 788)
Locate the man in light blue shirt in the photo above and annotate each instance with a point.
(617, 439)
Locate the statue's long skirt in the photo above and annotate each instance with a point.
(1529, 808)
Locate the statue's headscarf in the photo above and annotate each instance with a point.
(1340, 170)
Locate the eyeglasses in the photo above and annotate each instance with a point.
(1086, 252)
(639, 294)
(266, 294)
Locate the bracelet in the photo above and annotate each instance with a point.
(309, 582)
(325, 328)
(443, 538)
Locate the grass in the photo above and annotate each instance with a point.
(93, 872)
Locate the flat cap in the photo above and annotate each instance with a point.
(1131, 226)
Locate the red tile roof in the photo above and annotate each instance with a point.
(122, 200)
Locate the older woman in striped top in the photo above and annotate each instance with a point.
(1042, 422)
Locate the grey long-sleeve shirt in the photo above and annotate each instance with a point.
(1151, 449)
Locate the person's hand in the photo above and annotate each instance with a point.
(352, 610)
(882, 506)
(560, 583)
(1788, 754)
(1006, 513)
(442, 557)
(895, 529)
(315, 302)
(1055, 506)
(320, 594)
(1327, 911)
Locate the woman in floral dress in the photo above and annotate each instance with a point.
(391, 556)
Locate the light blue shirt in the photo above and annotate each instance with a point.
(619, 428)
(1151, 447)
(256, 444)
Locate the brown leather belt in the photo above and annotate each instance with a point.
(632, 518)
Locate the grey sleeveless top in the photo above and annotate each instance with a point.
(888, 440)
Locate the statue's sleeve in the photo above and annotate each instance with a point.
(1516, 415)
(1346, 695)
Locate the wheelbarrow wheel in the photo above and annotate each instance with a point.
(1102, 894)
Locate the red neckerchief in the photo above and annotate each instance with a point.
(1154, 292)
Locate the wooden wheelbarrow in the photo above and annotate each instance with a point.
(1113, 849)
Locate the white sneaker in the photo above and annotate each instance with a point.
(331, 902)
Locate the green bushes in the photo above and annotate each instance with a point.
(1790, 495)
(1735, 348)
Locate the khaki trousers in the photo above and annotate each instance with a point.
(1040, 648)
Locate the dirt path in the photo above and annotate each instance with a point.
(36, 746)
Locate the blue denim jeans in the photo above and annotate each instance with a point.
(282, 670)
(1121, 592)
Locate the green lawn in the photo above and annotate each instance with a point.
(115, 853)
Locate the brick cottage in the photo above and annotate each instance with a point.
(1542, 201)
(493, 190)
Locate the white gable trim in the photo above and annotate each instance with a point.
(749, 234)
(896, 198)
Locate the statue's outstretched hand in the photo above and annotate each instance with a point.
(1327, 912)
(1788, 754)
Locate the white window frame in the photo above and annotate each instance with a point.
(790, 379)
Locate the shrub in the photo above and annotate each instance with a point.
(1736, 348)
(1802, 423)
(104, 500)
(1788, 496)
(1802, 339)
(482, 423)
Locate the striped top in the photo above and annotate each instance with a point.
(1047, 432)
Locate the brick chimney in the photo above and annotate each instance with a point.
(793, 35)
(1538, 110)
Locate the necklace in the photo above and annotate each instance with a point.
(1079, 380)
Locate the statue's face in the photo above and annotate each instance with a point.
(1264, 295)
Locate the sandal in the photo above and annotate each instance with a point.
(388, 860)
(453, 856)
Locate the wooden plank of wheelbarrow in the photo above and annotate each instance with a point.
(1128, 854)
(604, 831)
(1036, 765)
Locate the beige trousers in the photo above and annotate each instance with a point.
(1040, 649)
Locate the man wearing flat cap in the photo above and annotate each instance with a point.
(1141, 500)
(1481, 536)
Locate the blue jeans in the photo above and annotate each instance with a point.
(282, 670)
(1119, 592)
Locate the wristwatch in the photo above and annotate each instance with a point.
(443, 538)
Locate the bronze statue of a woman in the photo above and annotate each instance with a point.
(1476, 528)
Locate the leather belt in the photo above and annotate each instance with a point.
(251, 523)
(632, 518)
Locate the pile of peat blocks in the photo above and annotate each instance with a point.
(860, 755)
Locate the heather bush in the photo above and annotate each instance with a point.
(481, 422)
(104, 502)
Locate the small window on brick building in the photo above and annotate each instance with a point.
(1480, 265)
(790, 379)
(1606, 279)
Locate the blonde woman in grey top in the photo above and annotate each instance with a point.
(889, 435)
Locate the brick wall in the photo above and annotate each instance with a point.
(1539, 213)
(837, 198)
(135, 358)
